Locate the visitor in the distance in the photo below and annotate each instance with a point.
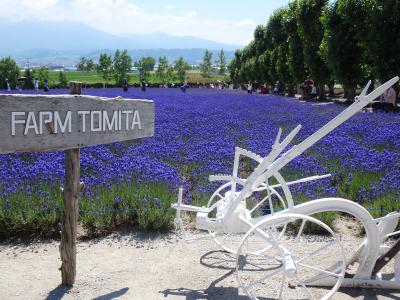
(249, 88)
(36, 84)
(143, 85)
(389, 98)
(277, 88)
(184, 87)
(125, 85)
(307, 87)
(313, 92)
(45, 85)
(8, 86)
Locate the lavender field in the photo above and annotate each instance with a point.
(134, 183)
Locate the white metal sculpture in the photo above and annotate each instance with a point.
(269, 262)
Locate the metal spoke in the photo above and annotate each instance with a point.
(271, 206)
(300, 230)
(320, 270)
(312, 254)
(282, 285)
(263, 268)
(249, 286)
(258, 204)
(260, 252)
(223, 238)
(304, 286)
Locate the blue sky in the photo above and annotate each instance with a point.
(257, 10)
(225, 21)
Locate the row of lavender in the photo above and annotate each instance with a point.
(135, 182)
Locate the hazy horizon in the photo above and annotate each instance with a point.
(219, 21)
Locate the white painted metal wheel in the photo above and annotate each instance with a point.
(291, 262)
(231, 241)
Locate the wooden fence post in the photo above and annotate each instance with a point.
(71, 208)
(75, 88)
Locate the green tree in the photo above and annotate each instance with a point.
(122, 64)
(252, 62)
(42, 74)
(345, 22)
(262, 42)
(221, 62)
(105, 67)
(278, 24)
(81, 66)
(234, 67)
(145, 65)
(62, 79)
(169, 74)
(29, 77)
(8, 70)
(181, 67)
(85, 65)
(206, 65)
(162, 69)
(295, 57)
(90, 65)
(383, 38)
(311, 32)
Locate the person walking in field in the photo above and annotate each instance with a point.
(8, 85)
(389, 97)
(143, 85)
(125, 85)
(249, 88)
(36, 84)
(184, 87)
(277, 88)
(307, 86)
(45, 85)
(313, 92)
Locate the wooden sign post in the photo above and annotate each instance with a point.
(71, 207)
(32, 123)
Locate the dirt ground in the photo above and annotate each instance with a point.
(131, 266)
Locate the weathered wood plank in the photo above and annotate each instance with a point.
(58, 122)
(71, 207)
(70, 220)
(75, 88)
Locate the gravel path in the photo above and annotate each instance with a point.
(131, 266)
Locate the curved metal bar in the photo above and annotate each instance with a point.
(371, 249)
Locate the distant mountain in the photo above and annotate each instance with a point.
(54, 41)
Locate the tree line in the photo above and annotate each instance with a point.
(345, 41)
(118, 68)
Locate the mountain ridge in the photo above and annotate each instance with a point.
(73, 36)
(57, 43)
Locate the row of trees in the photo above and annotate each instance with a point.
(346, 41)
(10, 71)
(206, 66)
(119, 67)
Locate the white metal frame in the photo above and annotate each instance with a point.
(231, 215)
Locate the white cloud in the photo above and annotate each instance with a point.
(125, 17)
(169, 6)
(247, 22)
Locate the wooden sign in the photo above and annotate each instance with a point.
(30, 123)
(69, 122)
